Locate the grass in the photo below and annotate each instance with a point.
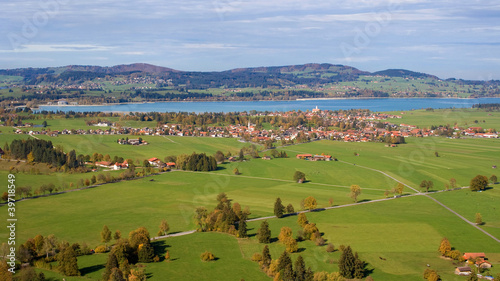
(397, 238)
(415, 161)
(171, 196)
(159, 146)
(463, 117)
(469, 203)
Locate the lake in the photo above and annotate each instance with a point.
(380, 104)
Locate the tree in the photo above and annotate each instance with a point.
(236, 171)
(105, 235)
(5, 274)
(479, 219)
(284, 234)
(219, 156)
(266, 257)
(290, 209)
(399, 188)
(347, 263)
(117, 235)
(68, 263)
(330, 248)
(493, 179)
(241, 156)
(300, 269)
(242, 227)
(264, 233)
(426, 185)
(164, 227)
(445, 246)
(436, 153)
(355, 192)
(110, 265)
(279, 209)
(330, 201)
(116, 275)
(310, 203)
(302, 219)
(167, 256)
(479, 182)
(284, 261)
(299, 177)
(146, 253)
(453, 183)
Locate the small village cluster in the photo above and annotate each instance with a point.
(474, 259)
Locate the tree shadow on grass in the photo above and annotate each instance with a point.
(252, 235)
(160, 247)
(220, 168)
(274, 239)
(87, 270)
(300, 250)
(364, 200)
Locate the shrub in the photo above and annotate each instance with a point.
(207, 256)
(330, 248)
(256, 257)
(100, 249)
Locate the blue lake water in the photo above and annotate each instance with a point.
(389, 104)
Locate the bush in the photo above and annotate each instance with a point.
(330, 248)
(256, 257)
(207, 256)
(100, 249)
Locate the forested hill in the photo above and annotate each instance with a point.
(140, 82)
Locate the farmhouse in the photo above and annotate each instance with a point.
(266, 158)
(473, 256)
(465, 270)
(104, 164)
(304, 156)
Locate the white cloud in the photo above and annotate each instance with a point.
(37, 48)
(357, 59)
(208, 46)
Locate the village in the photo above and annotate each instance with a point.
(321, 124)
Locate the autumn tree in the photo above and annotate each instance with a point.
(453, 183)
(493, 179)
(284, 234)
(479, 182)
(117, 235)
(355, 192)
(264, 233)
(302, 219)
(5, 274)
(310, 203)
(164, 227)
(426, 185)
(445, 246)
(279, 209)
(399, 188)
(105, 235)
(479, 219)
(219, 156)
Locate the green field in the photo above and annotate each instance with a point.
(463, 117)
(159, 146)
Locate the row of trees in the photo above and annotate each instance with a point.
(42, 151)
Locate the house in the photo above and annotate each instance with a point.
(465, 270)
(473, 256)
(304, 156)
(153, 161)
(170, 164)
(104, 164)
(266, 158)
(231, 159)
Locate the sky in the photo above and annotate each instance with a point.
(446, 38)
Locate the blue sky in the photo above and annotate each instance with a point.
(446, 38)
